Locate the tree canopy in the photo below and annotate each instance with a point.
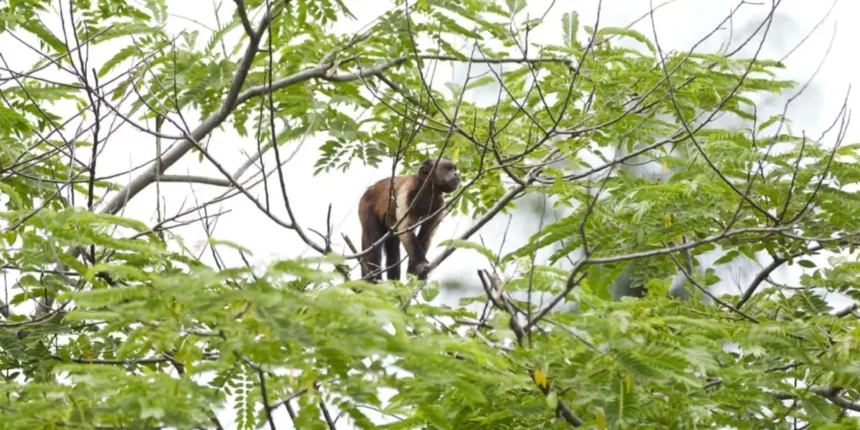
(110, 321)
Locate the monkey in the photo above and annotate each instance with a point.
(380, 209)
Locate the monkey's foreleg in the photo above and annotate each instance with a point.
(418, 264)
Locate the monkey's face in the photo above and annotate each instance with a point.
(447, 176)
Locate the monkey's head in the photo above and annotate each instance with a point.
(446, 177)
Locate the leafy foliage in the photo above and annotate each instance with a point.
(142, 335)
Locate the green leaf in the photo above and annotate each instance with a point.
(806, 263)
(820, 410)
(233, 245)
(430, 291)
(114, 61)
(570, 25)
(465, 244)
(46, 36)
(552, 400)
(812, 303)
(626, 32)
(515, 6)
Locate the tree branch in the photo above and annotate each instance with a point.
(243, 16)
(764, 273)
(500, 204)
(172, 156)
(195, 179)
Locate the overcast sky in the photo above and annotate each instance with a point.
(679, 26)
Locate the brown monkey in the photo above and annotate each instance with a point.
(379, 210)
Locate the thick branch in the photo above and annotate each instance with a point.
(243, 16)
(841, 402)
(195, 179)
(829, 393)
(845, 312)
(230, 103)
(149, 175)
(764, 273)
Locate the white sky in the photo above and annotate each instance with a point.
(679, 25)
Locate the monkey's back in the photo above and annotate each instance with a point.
(378, 198)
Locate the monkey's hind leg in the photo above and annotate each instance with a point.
(372, 231)
(392, 257)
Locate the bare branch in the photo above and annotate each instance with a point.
(764, 273)
(243, 16)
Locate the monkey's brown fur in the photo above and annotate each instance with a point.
(379, 210)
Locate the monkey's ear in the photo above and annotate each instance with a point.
(425, 167)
